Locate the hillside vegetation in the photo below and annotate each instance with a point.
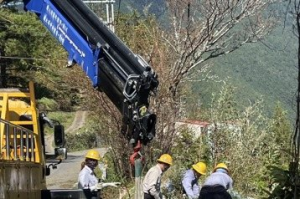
(260, 142)
(264, 70)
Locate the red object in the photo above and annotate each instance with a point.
(136, 152)
(138, 147)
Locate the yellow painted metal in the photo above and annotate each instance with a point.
(13, 104)
(20, 176)
(35, 121)
(4, 106)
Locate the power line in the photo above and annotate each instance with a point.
(29, 58)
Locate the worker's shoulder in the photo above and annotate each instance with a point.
(85, 170)
(219, 174)
(187, 172)
(154, 168)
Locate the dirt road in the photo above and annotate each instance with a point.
(78, 121)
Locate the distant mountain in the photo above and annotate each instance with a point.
(266, 69)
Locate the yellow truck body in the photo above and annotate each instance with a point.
(22, 162)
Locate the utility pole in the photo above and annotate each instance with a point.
(294, 165)
(136, 159)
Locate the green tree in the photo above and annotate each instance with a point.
(29, 52)
(249, 142)
(276, 171)
(282, 130)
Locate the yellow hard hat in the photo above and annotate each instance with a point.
(200, 167)
(165, 158)
(93, 154)
(221, 166)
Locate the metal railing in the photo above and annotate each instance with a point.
(109, 10)
(18, 143)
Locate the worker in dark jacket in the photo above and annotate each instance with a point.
(217, 184)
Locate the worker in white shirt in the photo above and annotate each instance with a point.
(87, 180)
(152, 180)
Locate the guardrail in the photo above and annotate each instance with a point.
(18, 143)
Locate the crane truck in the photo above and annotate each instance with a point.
(126, 78)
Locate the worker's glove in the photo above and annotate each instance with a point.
(102, 185)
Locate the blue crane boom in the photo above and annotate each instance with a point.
(126, 78)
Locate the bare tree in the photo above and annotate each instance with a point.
(203, 30)
(199, 31)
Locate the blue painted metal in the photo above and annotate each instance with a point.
(77, 47)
